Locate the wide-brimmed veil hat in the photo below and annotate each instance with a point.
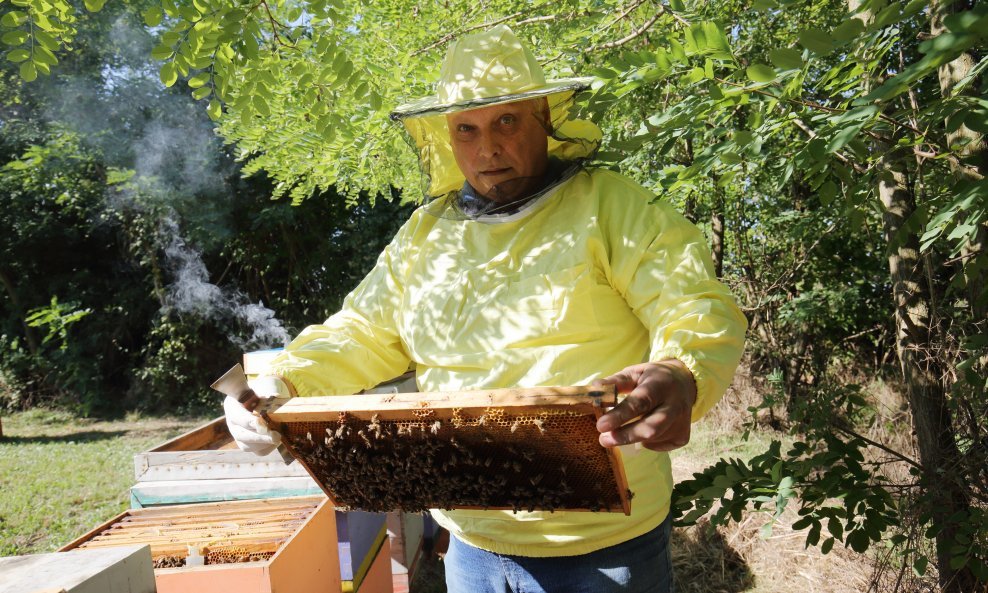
(483, 69)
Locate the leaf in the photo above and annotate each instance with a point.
(920, 564)
(827, 192)
(848, 30)
(250, 47)
(214, 110)
(202, 93)
(162, 52)
(14, 37)
(198, 80)
(858, 540)
(766, 531)
(13, 18)
(786, 58)
(828, 545)
(760, 73)
(961, 22)
(94, 5)
(28, 71)
(261, 105)
(18, 55)
(43, 54)
(716, 39)
(153, 16)
(843, 137)
(977, 120)
(47, 40)
(817, 41)
(168, 74)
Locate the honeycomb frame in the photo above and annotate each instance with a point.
(533, 449)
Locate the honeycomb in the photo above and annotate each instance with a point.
(520, 458)
(223, 533)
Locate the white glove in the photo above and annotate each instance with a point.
(248, 430)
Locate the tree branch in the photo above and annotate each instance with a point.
(878, 445)
(450, 36)
(631, 36)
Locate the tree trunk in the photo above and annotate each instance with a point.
(974, 154)
(920, 367)
(717, 233)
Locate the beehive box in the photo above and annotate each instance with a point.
(406, 534)
(205, 465)
(125, 569)
(516, 449)
(272, 545)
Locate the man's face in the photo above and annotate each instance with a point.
(501, 149)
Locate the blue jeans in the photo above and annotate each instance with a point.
(640, 565)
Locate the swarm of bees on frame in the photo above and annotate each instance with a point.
(543, 460)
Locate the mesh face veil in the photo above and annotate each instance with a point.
(483, 70)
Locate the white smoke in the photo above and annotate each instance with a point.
(191, 292)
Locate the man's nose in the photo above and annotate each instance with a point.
(488, 146)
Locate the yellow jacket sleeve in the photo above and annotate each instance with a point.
(359, 346)
(661, 264)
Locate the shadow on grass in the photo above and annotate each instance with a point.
(85, 436)
(704, 561)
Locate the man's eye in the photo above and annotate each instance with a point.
(507, 120)
(462, 128)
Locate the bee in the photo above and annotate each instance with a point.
(540, 424)
(435, 427)
(515, 425)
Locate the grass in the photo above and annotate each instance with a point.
(60, 476)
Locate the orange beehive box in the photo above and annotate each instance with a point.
(279, 545)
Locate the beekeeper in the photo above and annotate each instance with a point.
(527, 268)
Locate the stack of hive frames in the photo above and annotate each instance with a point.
(516, 449)
(223, 533)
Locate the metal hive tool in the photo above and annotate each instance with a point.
(515, 449)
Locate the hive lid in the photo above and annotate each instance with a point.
(515, 449)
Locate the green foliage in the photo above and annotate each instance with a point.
(56, 317)
(86, 186)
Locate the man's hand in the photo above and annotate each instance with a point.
(656, 412)
(249, 430)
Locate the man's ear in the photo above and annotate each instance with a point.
(544, 114)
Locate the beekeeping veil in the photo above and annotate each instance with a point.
(485, 69)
